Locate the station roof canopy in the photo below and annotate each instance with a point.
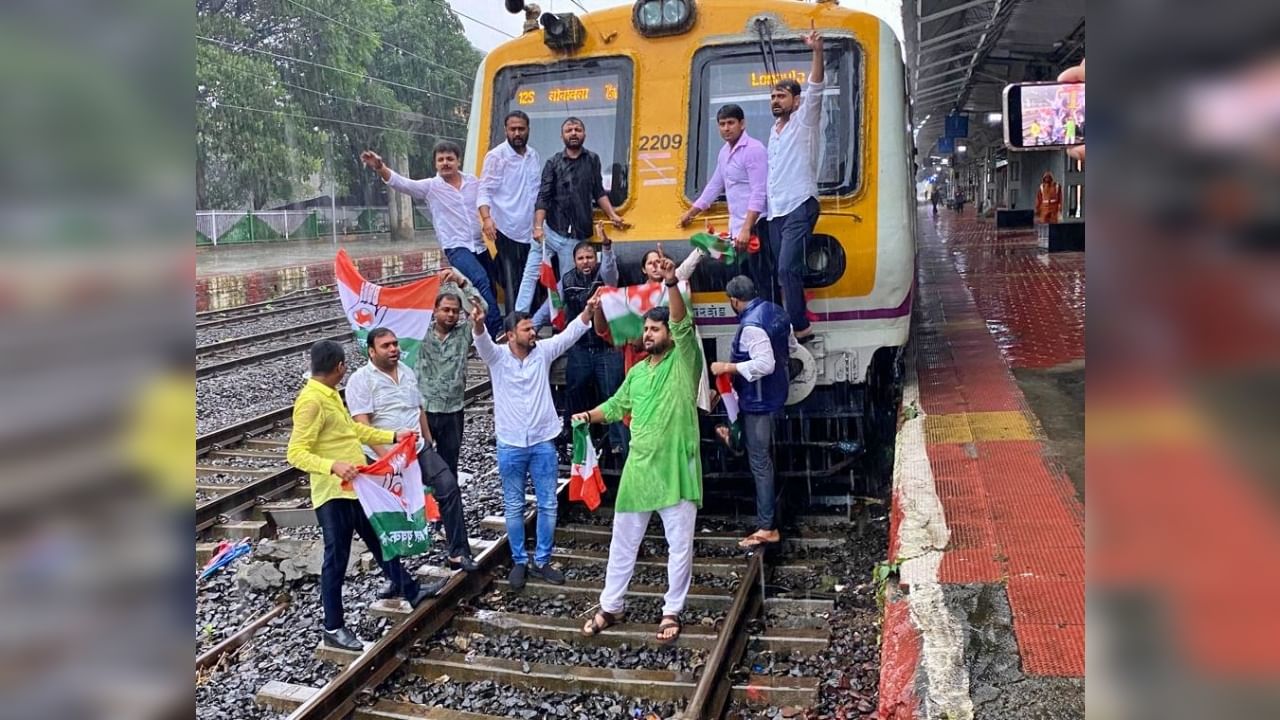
(961, 53)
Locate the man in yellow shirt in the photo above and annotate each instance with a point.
(326, 443)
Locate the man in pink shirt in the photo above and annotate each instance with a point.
(742, 173)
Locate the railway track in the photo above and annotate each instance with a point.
(438, 641)
(282, 342)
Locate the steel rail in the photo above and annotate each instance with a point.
(337, 698)
(712, 691)
(231, 343)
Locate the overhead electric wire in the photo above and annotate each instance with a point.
(357, 101)
(380, 40)
(478, 22)
(216, 105)
(237, 46)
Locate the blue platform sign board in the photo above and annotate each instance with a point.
(946, 146)
(956, 126)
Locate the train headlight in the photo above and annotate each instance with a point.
(824, 261)
(655, 18)
(562, 31)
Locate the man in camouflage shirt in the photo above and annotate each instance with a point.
(442, 364)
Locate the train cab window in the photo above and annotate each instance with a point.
(736, 74)
(597, 90)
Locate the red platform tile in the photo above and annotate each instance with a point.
(1050, 650)
(1033, 534)
(1051, 602)
(1062, 564)
(970, 536)
(976, 565)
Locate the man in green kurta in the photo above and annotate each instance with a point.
(663, 472)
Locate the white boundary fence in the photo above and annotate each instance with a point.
(224, 227)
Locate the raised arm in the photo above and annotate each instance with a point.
(413, 188)
(485, 348)
(818, 69)
(608, 261)
(675, 300)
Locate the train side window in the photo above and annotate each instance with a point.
(725, 74)
(596, 90)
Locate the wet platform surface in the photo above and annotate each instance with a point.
(993, 510)
(246, 258)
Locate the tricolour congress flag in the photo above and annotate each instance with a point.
(624, 308)
(405, 309)
(719, 247)
(547, 276)
(729, 396)
(585, 482)
(391, 493)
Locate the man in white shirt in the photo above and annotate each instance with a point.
(526, 427)
(758, 366)
(508, 190)
(451, 199)
(384, 394)
(794, 142)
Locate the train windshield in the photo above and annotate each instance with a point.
(595, 90)
(736, 74)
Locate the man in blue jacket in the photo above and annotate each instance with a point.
(758, 365)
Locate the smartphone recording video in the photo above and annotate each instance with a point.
(1040, 116)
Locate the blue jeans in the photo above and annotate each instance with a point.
(757, 434)
(788, 236)
(479, 269)
(563, 249)
(339, 518)
(603, 365)
(515, 465)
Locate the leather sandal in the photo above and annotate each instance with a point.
(594, 627)
(668, 622)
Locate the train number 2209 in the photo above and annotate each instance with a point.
(661, 142)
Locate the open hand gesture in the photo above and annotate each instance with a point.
(477, 315)
(371, 160)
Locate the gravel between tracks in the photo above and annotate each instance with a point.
(256, 326)
(245, 392)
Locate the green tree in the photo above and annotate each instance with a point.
(278, 80)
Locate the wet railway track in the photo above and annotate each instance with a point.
(456, 637)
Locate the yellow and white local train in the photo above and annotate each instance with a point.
(647, 81)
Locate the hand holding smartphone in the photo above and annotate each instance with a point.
(1044, 116)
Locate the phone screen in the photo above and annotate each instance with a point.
(1052, 114)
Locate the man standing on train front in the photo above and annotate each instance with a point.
(508, 190)
(451, 199)
(794, 143)
(572, 184)
(742, 172)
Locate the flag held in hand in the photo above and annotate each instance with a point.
(586, 485)
(719, 247)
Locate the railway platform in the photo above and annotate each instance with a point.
(986, 617)
(231, 275)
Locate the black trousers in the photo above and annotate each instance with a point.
(444, 483)
(759, 266)
(512, 257)
(339, 518)
(446, 430)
